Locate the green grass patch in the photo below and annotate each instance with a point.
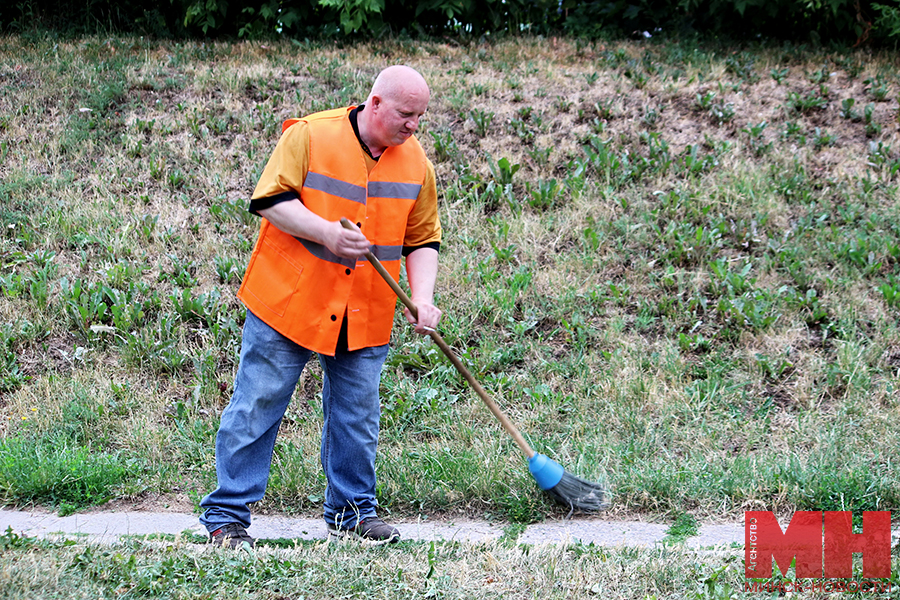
(53, 471)
(683, 527)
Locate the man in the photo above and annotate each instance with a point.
(308, 288)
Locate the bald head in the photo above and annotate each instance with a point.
(398, 99)
(398, 81)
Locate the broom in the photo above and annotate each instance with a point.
(575, 492)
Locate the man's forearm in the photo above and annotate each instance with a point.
(293, 218)
(421, 270)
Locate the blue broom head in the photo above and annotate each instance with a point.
(546, 472)
(569, 490)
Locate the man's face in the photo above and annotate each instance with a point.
(396, 119)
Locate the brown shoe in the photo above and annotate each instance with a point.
(232, 535)
(372, 531)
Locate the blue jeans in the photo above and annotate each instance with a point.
(268, 372)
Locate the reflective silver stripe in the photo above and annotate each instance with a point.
(356, 193)
(383, 253)
(323, 253)
(335, 187)
(390, 189)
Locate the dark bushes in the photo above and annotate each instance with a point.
(828, 21)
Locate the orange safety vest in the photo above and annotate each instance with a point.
(300, 288)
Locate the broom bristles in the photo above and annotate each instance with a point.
(580, 493)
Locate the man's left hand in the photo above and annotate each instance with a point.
(429, 315)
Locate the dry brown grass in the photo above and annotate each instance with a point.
(561, 309)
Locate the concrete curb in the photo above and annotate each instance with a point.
(107, 527)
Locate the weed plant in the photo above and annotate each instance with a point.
(673, 272)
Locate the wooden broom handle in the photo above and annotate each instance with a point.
(448, 352)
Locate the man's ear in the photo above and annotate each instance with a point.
(375, 102)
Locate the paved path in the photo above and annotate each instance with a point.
(108, 526)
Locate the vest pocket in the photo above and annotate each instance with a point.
(273, 278)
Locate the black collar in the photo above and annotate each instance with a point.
(355, 125)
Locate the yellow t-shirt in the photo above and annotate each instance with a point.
(286, 170)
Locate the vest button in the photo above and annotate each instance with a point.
(359, 225)
(348, 271)
(334, 317)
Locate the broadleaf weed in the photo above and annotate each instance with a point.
(482, 120)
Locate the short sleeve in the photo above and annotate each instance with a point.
(423, 227)
(284, 174)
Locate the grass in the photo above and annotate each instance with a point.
(179, 568)
(675, 266)
(684, 526)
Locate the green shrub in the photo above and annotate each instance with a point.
(845, 21)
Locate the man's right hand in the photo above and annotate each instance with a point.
(346, 243)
